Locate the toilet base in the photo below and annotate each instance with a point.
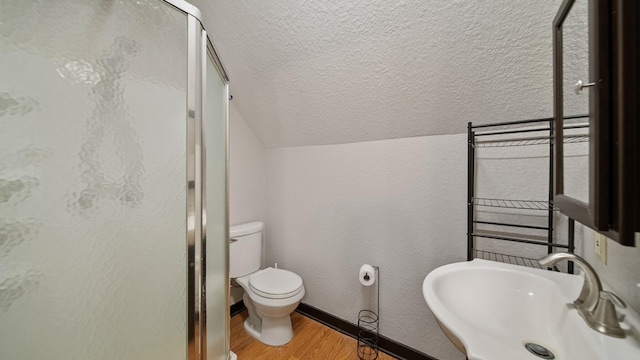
(275, 331)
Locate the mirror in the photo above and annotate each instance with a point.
(582, 112)
(575, 101)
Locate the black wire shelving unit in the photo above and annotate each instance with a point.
(534, 132)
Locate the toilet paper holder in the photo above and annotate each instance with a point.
(369, 326)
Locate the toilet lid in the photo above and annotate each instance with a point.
(275, 283)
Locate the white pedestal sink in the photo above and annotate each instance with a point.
(491, 310)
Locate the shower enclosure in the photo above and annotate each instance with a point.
(113, 182)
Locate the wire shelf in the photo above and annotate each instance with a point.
(577, 138)
(493, 234)
(508, 259)
(514, 204)
(528, 141)
(516, 237)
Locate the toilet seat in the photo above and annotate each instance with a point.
(273, 283)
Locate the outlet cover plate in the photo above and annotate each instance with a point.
(601, 248)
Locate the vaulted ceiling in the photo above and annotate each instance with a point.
(325, 72)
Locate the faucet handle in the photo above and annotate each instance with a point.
(604, 318)
(615, 299)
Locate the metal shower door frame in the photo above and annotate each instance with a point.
(199, 47)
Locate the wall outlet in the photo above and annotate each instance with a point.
(601, 248)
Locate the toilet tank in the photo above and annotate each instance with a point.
(245, 248)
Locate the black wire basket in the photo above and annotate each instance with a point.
(367, 335)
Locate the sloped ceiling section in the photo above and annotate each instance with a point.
(326, 72)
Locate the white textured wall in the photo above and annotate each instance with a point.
(247, 172)
(398, 204)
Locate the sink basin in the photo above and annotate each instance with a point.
(491, 310)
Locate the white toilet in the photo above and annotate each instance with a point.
(270, 295)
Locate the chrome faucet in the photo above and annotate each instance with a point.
(596, 306)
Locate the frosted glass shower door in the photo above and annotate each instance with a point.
(92, 180)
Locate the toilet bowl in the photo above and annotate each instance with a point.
(270, 294)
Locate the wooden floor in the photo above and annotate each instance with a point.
(311, 341)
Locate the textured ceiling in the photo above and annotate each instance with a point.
(325, 72)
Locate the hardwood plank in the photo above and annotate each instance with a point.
(311, 341)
